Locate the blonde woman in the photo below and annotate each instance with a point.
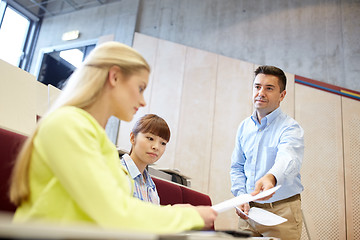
(68, 171)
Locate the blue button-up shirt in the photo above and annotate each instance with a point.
(276, 146)
(144, 188)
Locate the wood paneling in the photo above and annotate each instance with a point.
(232, 105)
(193, 147)
(166, 93)
(351, 126)
(323, 203)
(53, 94)
(147, 47)
(21, 99)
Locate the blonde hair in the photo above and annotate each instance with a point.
(82, 89)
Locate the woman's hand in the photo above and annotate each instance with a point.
(208, 215)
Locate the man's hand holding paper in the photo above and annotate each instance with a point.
(259, 215)
(266, 182)
(241, 199)
(243, 211)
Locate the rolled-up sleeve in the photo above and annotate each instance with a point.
(289, 156)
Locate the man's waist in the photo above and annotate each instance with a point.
(272, 204)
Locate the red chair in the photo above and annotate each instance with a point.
(173, 193)
(10, 143)
(169, 193)
(194, 197)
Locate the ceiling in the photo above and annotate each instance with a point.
(47, 8)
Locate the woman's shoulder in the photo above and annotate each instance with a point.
(68, 118)
(68, 111)
(70, 114)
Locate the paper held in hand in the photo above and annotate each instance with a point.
(263, 217)
(244, 198)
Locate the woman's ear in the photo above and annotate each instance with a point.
(114, 75)
(132, 138)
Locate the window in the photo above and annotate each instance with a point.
(16, 35)
(13, 34)
(59, 62)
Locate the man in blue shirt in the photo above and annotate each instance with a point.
(268, 151)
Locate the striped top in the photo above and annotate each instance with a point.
(144, 188)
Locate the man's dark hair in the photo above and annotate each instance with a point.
(277, 72)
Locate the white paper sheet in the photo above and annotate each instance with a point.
(244, 198)
(263, 217)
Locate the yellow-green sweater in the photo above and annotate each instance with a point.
(76, 177)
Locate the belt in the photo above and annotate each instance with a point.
(271, 205)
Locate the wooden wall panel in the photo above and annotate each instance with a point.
(22, 97)
(351, 126)
(304, 232)
(232, 105)
(193, 146)
(323, 203)
(165, 99)
(53, 94)
(147, 47)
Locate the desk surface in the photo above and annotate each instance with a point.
(8, 230)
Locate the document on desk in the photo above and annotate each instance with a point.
(244, 198)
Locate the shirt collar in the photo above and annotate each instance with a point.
(268, 118)
(271, 116)
(134, 171)
(131, 166)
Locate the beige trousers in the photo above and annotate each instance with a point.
(289, 209)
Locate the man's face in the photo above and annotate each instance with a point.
(266, 94)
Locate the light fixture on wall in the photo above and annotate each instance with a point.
(70, 35)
